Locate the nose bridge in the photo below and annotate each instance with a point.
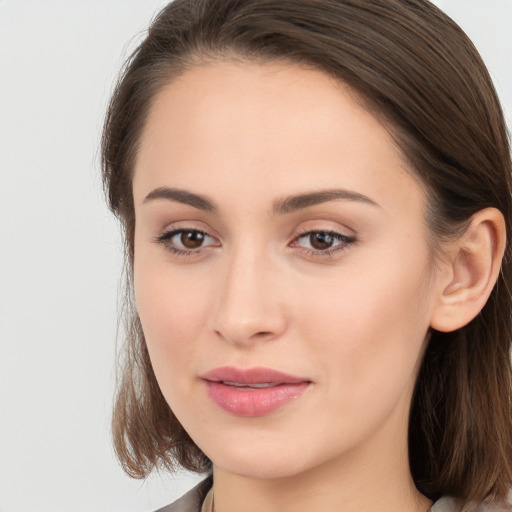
(247, 307)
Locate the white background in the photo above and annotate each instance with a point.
(60, 256)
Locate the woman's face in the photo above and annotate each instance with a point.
(282, 272)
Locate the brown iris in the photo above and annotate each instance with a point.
(192, 239)
(321, 240)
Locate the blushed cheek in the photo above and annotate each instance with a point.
(166, 314)
(168, 330)
(371, 327)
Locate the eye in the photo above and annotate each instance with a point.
(185, 241)
(323, 243)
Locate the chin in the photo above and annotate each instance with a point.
(252, 460)
(258, 469)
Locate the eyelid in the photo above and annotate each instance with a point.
(188, 225)
(334, 234)
(171, 233)
(325, 226)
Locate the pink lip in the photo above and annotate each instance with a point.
(252, 391)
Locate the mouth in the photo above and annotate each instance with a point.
(250, 386)
(254, 391)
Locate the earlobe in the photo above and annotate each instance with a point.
(472, 270)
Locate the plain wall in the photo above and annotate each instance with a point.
(60, 254)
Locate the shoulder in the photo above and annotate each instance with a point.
(192, 500)
(454, 505)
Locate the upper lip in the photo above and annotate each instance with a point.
(255, 375)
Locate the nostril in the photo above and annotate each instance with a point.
(262, 334)
(239, 337)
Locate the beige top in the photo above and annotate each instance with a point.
(200, 499)
(208, 502)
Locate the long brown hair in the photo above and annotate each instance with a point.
(421, 75)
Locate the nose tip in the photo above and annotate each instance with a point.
(247, 309)
(244, 322)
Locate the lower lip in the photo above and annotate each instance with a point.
(252, 402)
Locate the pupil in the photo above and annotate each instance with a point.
(192, 239)
(321, 240)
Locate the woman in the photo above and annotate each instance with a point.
(316, 198)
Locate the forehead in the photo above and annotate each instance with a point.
(274, 128)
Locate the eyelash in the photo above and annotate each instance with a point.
(345, 242)
(169, 235)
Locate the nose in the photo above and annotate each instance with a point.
(248, 308)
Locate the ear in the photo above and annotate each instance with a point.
(470, 271)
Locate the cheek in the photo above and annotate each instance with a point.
(172, 311)
(370, 328)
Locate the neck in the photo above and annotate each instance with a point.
(311, 492)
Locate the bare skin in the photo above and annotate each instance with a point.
(337, 289)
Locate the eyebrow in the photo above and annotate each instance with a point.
(280, 207)
(304, 200)
(182, 196)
